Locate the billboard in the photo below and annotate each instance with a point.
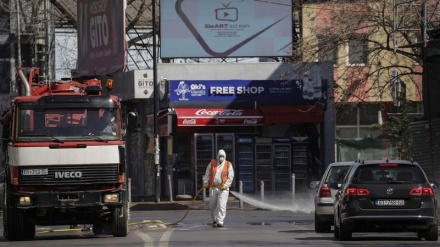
(101, 37)
(219, 29)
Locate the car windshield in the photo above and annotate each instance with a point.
(393, 173)
(336, 174)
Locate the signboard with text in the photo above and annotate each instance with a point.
(245, 90)
(101, 37)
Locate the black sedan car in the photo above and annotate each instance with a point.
(391, 195)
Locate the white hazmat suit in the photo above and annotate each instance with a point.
(219, 186)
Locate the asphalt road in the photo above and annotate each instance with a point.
(152, 225)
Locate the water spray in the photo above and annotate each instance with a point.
(279, 202)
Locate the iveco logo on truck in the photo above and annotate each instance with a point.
(76, 174)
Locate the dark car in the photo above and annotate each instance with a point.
(325, 196)
(390, 196)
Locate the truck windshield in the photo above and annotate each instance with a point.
(67, 124)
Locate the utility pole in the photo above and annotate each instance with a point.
(156, 110)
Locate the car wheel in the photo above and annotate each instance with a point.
(336, 231)
(321, 226)
(344, 232)
(432, 233)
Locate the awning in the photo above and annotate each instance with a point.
(292, 114)
(218, 117)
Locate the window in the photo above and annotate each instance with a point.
(357, 51)
(355, 121)
(327, 50)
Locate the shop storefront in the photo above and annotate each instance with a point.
(270, 128)
(266, 128)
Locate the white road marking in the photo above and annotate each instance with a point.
(164, 240)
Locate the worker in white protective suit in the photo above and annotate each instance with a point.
(218, 177)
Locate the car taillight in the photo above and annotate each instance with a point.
(325, 192)
(422, 191)
(356, 192)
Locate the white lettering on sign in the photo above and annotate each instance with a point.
(99, 31)
(189, 121)
(238, 90)
(76, 174)
(250, 121)
(250, 90)
(197, 86)
(222, 90)
(225, 112)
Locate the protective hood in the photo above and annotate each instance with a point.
(221, 152)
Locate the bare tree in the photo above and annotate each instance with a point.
(372, 33)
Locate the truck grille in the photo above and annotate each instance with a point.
(69, 175)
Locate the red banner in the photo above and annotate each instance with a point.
(218, 117)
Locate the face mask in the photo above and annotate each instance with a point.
(221, 159)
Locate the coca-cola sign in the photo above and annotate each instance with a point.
(224, 112)
(189, 121)
(250, 121)
(218, 117)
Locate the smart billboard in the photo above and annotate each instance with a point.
(220, 29)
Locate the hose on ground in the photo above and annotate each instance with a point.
(138, 223)
(172, 223)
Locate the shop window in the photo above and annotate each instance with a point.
(369, 131)
(346, 115)
(356, 121)
(369, 114)
(183, 150)
(346, 132)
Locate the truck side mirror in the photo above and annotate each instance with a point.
(132, 122)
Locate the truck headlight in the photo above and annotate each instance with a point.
(25, 201)
(114, 197)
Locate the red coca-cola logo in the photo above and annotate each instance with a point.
(250, 121)
(225, 112)
(189, 121)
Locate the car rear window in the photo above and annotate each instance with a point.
(387, 173)
(336, 174)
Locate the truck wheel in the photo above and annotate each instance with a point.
(13, 223)
(15, 226)
(120, 221)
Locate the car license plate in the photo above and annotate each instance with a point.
(34, 172)
(389, 202)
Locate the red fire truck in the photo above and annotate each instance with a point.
(65, 158)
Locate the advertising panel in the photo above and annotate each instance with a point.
(214, 28)
(101, 37)
(144, 85)
(246, 90)
(218, 117)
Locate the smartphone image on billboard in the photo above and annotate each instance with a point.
(226, 14)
